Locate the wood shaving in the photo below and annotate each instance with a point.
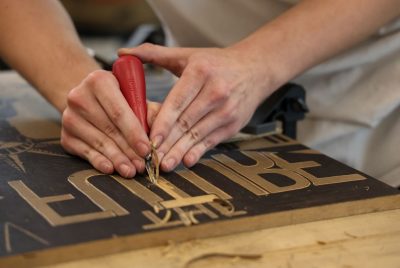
(222, 255)
(167, 217)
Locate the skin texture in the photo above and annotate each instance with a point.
(39, 41)
(210, 102)
(99, 125)
(218, 89)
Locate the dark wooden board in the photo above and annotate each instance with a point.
(55, 207)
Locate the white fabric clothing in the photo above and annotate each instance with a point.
(354, 98)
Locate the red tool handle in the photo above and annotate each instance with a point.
(130, 74)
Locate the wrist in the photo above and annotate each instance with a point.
(265, 75)
(61, 82)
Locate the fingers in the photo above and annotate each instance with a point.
(97, 140)
(98, 116)
(119, 112)
(209, 142)
(189, 130)
(217, 121)
(77, 147)
(152, 110)
(214, 97)
(180, 97)
(95, 115)
(172, 59)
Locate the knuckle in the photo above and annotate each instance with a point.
(109, 149)
(183, 124)
(220, 92)
(96, 79)
(230, 113)
(74, 97)
(194, 134)
(209, 143)
(178, 102)
(99, 144)
(98, 75)
(110, 130)
(116, 113)
(200, 67)
(226, 113)
(88, 154)
(131, 137)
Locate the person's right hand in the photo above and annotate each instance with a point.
(99, 126)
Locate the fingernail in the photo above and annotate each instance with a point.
(169, 164)
(139, 165)
(143, 148)
(189, 160)
(157, 140)
(106, 167)
(125, 170)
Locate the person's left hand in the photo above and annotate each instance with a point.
(214, 98)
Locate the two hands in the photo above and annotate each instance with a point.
(213, 99)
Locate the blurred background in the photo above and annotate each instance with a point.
(106, 25)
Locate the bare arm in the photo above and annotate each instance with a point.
(310, 33)
(219, 89)
(39, 41)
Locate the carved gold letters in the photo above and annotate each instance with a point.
(299, 167)
(233, 176)
(81, 182)
(182, 208)
(40, 204)
(263, 165)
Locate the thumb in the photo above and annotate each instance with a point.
(172, 59)
(152, 110)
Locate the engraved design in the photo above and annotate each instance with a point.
(84, 213)
(7, 236)
(270, 141)
(10, 150)
(183, 208)
(216, 198)
(40, 204)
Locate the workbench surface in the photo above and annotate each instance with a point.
(369, 240)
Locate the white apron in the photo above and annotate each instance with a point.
(354, 98)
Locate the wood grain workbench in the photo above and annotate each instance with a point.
(368, 240)
(365, 240)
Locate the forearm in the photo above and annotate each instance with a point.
(310, 33)
(38, 40)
